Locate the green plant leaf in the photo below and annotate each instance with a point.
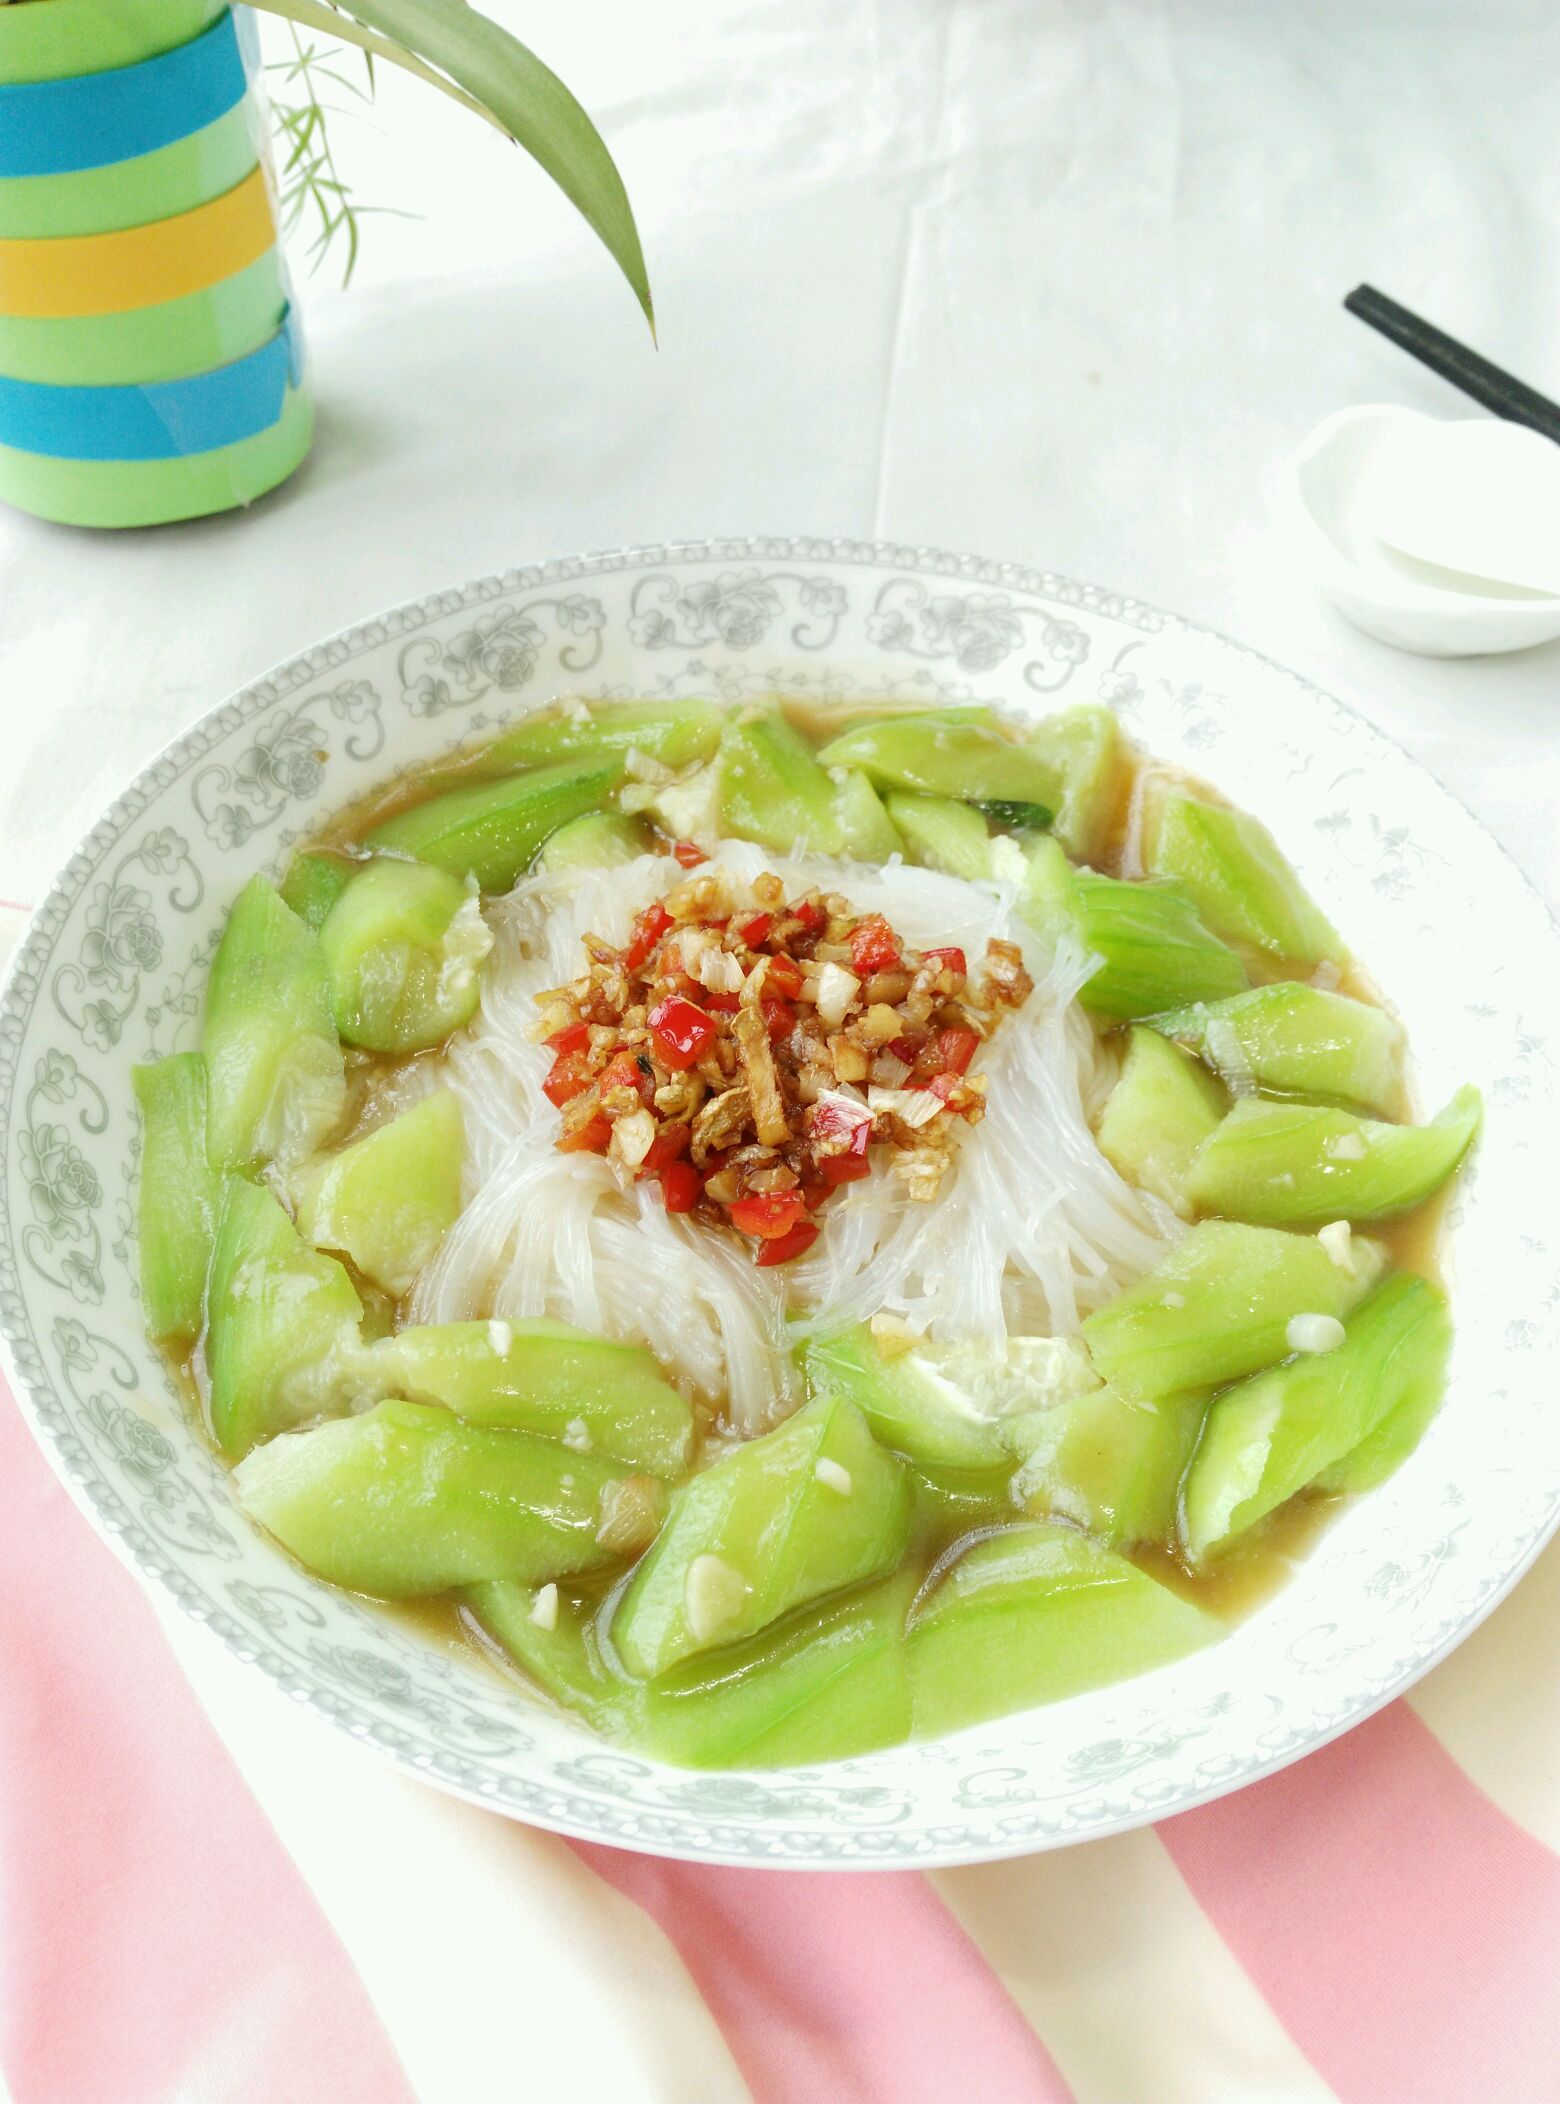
(321, 15)
(453, 47)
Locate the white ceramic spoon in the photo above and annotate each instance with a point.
(1442, 538)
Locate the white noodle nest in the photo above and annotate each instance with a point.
(1031, 1229)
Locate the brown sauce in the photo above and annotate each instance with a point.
(1255, 1566)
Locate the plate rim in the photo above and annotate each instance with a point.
(163, 1580)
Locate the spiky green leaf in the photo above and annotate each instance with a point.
(483, 66)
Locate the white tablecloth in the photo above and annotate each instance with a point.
(1055, 283)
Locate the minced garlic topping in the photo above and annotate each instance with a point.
(752, 1051)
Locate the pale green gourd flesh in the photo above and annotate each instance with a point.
(537, 1375)
(1270, 1436)
(282, 1340)
(564, 1660)
(1219, 1307)
(597, 840)
(773, 791)
(867, 830)
(492, 831)
(950, 755)
(1153, 951)
(676, 734)
(1300, 1165)
(1288, 1039)
(313, 883)
(786, 1534)
(1109, 1465)
(399, 981)
(1161, 1110)
(1036, 1614)
(275, 1086)
(179, 1194)
(1244, 886)
(909, 1405)
(1082, 746)
(942, 833)
(1417, 1390)
(406, 1500)
(825, 1686)
(387, 1201)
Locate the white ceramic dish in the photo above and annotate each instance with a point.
(111, 972)
(1382, 467)
(1371, 495)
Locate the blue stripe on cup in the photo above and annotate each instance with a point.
(54, 127)
(162, 421)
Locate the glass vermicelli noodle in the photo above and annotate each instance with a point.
(1036, 1225)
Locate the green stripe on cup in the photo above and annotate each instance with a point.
(156, 492)
(177, 178)
(61, 39)
(211, 327)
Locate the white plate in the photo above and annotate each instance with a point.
(112, 970)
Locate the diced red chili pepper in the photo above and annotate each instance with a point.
(669, 1144)
(680, 1185)
(946, 1084)
(689, 854)
(568, 1077)
(573, 1037)
(855, 1147)
(779, 1016)
(847, 1164)
(948, 960)
(782, 975)
(624, 1071)
(681, 1032)
(874, 947)
(768, 1214)
(844, 1168)
(722, 1004)
(651, 925)
(784, 1247)
(811, 915)
(594, 1136)
(836, 1125)
(756, 930)
(955, 1050)
(904, 1048)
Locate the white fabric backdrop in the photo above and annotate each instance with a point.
(1055, 282)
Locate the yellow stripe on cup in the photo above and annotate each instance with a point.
(189, 335)
(140, 266)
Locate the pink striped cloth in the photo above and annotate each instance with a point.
(155, 1941)
(157, 1945)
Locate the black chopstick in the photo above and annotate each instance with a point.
(1509, 397)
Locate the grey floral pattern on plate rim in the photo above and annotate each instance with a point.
(739, 618)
